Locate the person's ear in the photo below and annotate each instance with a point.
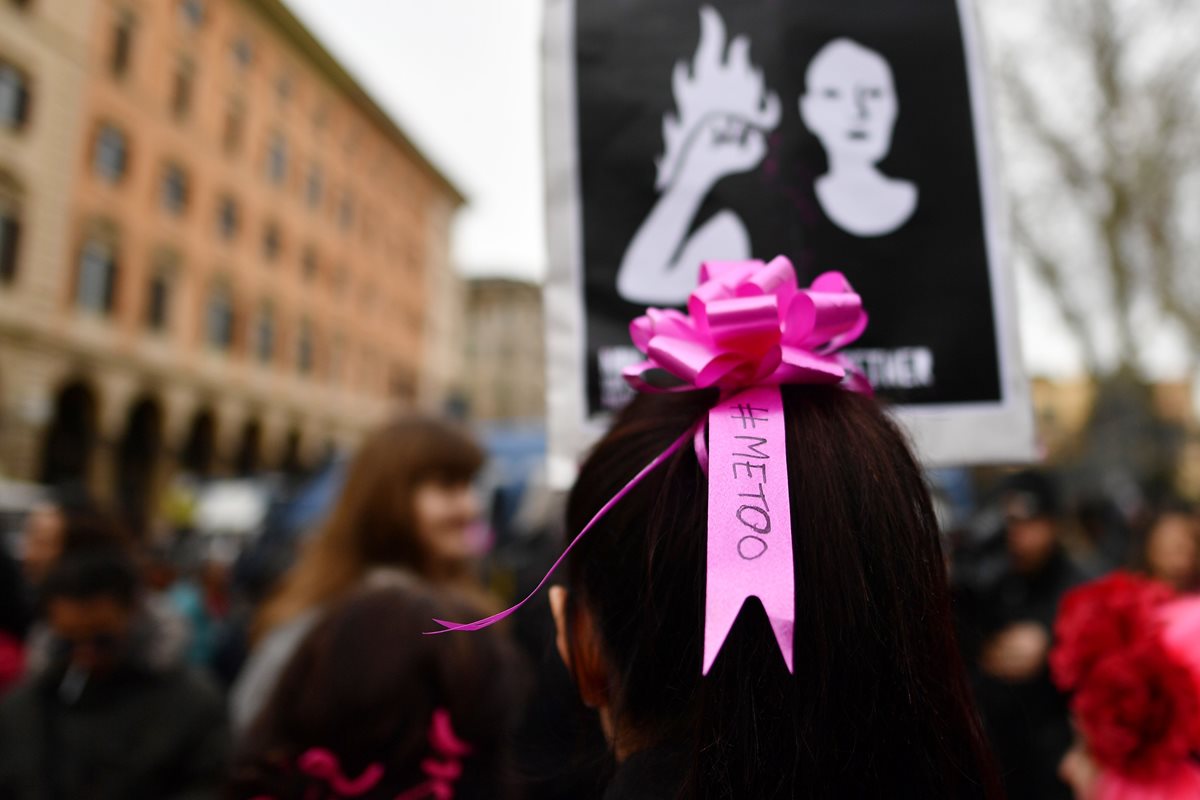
(585, 661)
(558, 608)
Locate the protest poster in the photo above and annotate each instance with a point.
(850, 136)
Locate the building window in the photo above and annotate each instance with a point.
(174, 194)
(191, 13)
(272, 242)
(370, 371)
(218, 318)
(283, 88)
(305, 356)
(231, 135)
(181, 89)
(109, 157)
(277, 159)
(122, 45)
(346, 210)
(314, 186)
(337, 355)
(14, 97)
(227, 218)
(264, 334)
(158, 300)
(10, 238)
(242, 52)
(96, 284)
(308, 263)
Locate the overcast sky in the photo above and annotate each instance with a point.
(462, 78)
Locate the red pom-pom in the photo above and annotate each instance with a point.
(1139, 712)
(1110, 614)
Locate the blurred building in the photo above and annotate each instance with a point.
(216, 251)
(506, 361)
(1065, 408)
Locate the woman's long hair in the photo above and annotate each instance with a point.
(373, 522)
(364, 685)
(879, 704)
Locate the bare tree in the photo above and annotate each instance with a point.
(1100, 112)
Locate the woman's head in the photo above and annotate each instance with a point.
(365, 685)
(407, 502)
(384, 514)
(878, 698)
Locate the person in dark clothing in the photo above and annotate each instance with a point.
(113, 712)
(1010, 624)
(15, 619)
(15, 610)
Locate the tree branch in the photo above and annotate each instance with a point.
(1044, 268)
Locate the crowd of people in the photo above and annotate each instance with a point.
(923, 663)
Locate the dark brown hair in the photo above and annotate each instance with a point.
(879, 703)
(364, 685)
(373, 523)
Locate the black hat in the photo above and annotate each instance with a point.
(1031, 494)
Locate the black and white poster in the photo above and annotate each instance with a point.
(849, 136)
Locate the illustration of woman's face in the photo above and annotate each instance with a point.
(850, 102)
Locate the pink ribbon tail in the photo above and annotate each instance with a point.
(689, 435)
(749, 519)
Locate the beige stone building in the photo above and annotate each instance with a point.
(218, 253)
(506, 358)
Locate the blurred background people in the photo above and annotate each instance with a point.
(368, 702)
(69, 520)
(83, 527)
(1171, 549)
(114, 712)
(1007, 634)
(407, 504)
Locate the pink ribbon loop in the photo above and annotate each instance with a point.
(749, 324)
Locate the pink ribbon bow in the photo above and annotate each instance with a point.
(749, 329)
(750, 325)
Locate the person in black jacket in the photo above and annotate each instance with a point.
(112, 712)
(1011, 622)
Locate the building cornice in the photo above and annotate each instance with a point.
(283, 20)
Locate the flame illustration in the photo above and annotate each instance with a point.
(717, 82)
